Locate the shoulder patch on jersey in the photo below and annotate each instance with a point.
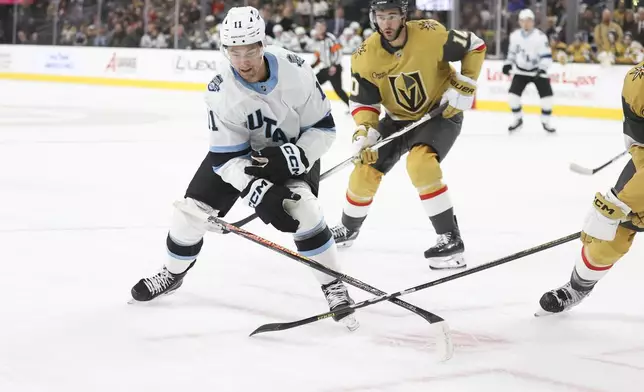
(637, 72)
(295, 59)
(428, 24)
(215, 84)
(361, 49)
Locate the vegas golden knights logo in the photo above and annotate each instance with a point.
(408, 90)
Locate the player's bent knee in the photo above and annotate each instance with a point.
(607, 253)
(313, 236)
(185, 237)
(423, 168)
(364, 181)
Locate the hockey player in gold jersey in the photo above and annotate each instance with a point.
(616, 216)
(404, 69)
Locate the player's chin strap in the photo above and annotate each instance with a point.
(432, 114)
(444, 344)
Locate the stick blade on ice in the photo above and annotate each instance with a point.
(581, 170)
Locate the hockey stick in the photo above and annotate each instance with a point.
(282, 326)
(444, 340)
(379, 144)
(589, 172)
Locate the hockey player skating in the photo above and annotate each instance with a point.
(530, 54)
(615, 216)
(266, 108)
(404, 69)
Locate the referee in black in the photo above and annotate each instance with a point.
(328, 52)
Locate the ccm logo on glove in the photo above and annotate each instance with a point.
(278, 164)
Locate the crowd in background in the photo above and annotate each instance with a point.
(602, 36)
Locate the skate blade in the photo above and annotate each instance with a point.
(545, 313)
(345, 244)
(350, 322)
(447, 263)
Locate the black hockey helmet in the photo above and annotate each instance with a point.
(389, 4)
(381, 5)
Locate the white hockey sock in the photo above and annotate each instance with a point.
(546, 109)
(589, 271)
(356, 207)
(515, 105)
(436, 202)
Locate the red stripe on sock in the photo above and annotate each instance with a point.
(590, 266)
(434, 194)
(368, 108)
(357, 203)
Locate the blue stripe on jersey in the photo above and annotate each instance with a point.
(226, 149)
(220, 161)
(262, 87)
(325, 124)
(317, 251)
(546, 56)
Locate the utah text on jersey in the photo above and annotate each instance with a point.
(289, 106)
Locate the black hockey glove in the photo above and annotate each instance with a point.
(268, 201)
(278, 164)
(507, 68)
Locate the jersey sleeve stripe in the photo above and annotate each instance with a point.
(229, 149)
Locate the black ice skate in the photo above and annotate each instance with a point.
(343, 237)
(558, 300)
(548, 128)
(162, 283)
(337, 296)
(448, 252)
(516, 125)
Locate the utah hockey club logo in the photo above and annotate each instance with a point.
(408, 90)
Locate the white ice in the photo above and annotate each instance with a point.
(87, 180)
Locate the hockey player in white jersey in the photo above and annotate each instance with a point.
(530, 54)
(270, 123)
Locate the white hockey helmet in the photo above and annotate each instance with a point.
(278, 29)
(367, 33)
(299, 30)
(242, 26)
(526, 14)
(355, 26)
(348, 31)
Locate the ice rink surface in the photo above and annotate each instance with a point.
(87, 180)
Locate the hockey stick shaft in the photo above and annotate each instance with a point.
(379, 144)
(587, 171)
(388, 297)
(215, 221)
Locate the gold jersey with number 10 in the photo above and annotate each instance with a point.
(410, 80)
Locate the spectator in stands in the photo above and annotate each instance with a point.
(267, 15)
(580, 51)
(601, 34)
(304, 10)
(153, 39)
(182, 40)
(639, 30)
(620, 13)
(337, 25)
(587, 22)
(286, 19)
(630, 25)
(634, 49)
(320, 9)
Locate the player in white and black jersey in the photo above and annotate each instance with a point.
(530, 55)
(270, 123)
(328, 53)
